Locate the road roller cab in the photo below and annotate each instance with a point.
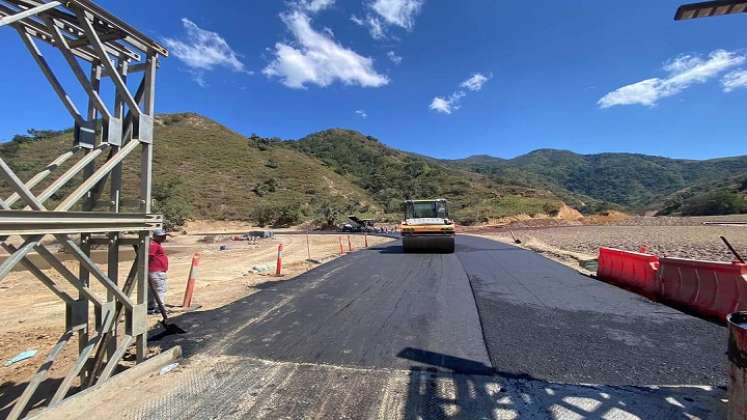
(427, 227)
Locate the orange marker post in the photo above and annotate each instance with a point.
(350, 245)
(191, 281)
(365, 239)
(342, 251)
(279, 266)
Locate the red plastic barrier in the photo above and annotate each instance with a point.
(712, 289)
(631, 270)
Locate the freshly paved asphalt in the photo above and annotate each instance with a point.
(487, 308)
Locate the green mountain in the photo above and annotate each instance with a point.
(204, 170)
(630, 181)
(390, 175)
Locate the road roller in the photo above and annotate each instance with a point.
(427, 227)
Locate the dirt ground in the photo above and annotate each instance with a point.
(33, 318)
(694, 242)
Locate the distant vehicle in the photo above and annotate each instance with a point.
(359, 225)
(427, 226)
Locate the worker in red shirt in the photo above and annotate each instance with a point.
(158, 265)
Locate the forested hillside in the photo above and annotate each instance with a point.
(204, 170)
(631, 181)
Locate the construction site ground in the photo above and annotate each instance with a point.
(33, 318)
(491, 331)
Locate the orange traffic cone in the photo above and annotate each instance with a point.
(191, 281)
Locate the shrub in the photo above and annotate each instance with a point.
(278, 215)
(714, 203)
(169, 200)
(266, 187)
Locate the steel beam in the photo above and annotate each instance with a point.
(18, 256)
(49, 74)
(710, 8)
(134, 36)
(28, 13)
(110, 339)
(39, 177)
(41, 374)
(20, 187)
(89, 183)
(93, 268)
(68, 23)
(72, 172)
(98, 46)
(81, 30)
(55, 263)
(17, 222)
(41, 32)
(80, 363)
(39, 274)
(78, 71)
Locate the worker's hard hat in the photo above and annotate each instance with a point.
(159, 232)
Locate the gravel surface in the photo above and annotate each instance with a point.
(697, 241)
(679, 221)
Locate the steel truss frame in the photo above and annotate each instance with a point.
(87, 35)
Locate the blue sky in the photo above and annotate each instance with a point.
(446, 79)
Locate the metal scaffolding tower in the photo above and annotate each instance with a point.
(98, 47)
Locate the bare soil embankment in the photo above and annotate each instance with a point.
(578, 244)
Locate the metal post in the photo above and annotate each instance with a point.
(737, 352)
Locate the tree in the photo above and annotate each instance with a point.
(328, 211)
(715, 203)
(169, 197)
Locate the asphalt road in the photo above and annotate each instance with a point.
(487, 308)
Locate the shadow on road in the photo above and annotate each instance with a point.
(10, 391)
(460, 388)
(443, 361)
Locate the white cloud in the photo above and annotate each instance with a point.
(453, 102)
(203, 50)
(683, 72)
(646, 92)
(375, 27)
(199, 78)
(361, 113)
(397, 12)
(475, 82)
(441, 105)
(734, 80)
(385, 13)
(358, 21)
(314, 6)
(318, 59)
(394, 57)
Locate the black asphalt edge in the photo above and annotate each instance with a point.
(593, 276)
(479, 316)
